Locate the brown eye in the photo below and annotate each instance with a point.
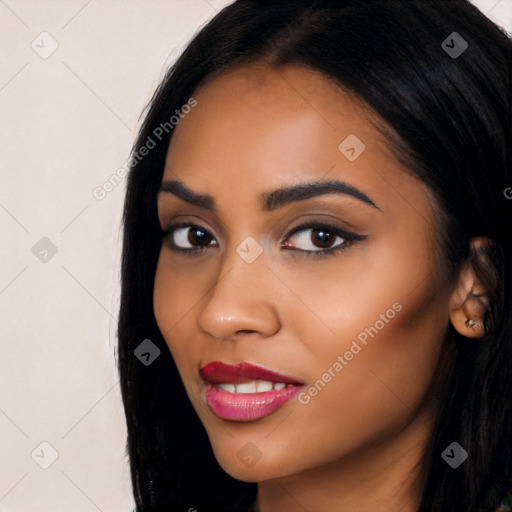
(322, 238)
(190, 237)
(197, 236)
(315, 239)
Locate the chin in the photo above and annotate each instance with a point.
(247, 465)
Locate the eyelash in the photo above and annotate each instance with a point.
(348, 238)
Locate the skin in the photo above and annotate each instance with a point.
(357, 444)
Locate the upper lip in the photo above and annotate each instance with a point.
(218, 373)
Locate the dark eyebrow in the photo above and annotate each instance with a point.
(282, 196)
(272, 200)
(183, 192)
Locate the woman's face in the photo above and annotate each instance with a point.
(332, 286)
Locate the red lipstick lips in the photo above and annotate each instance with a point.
(245, 392)
(241, 372)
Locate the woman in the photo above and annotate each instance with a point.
(317, 262)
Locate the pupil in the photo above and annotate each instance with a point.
(198, 237)
(322, 238)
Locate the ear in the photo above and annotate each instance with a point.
(469, 300)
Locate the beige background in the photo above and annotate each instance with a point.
(68, 120)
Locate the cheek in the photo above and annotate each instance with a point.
(175, 296)
(371, 339)
(384, 388)
(164, 298)
(359, 393)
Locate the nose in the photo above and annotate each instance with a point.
(243, 300)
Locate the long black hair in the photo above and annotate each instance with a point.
(446, 110)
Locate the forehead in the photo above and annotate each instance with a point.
(257, 96)
(285, 112)
(256, 128)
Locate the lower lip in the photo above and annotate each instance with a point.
(247, 406)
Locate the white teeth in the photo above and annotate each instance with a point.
(263, 385)
(253, 386)
(246, 387)
(227, 387)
